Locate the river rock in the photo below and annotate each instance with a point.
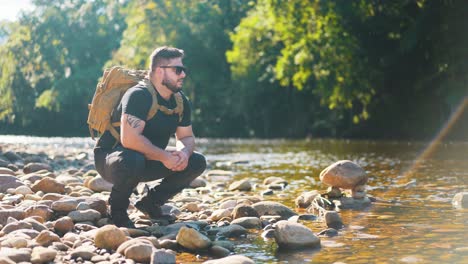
(36, 222)
(84, 252)
(64, 225)
(14, 242)
(248, 222)
(129, 243)
(40, 210)
(6, 171)
(460, 200)
(16, 255)
(14, 213)
(197, 183)
(234, 259)
(90, 215)
(304, 200)
(36, 166)
(140, 252)
(228, 204)
(344, 174)
(98, 205)
(10, 227)
(273, 208)
(48, 185)
(219, 252)
(8, 181)
(66, 204)
(220, 214)
(43, 255)
(232, 230)
(333, 220)
(351, 203)
(329, 232)
(192, 239)
(109, 237)
(46, 238)
(241, 185)
(162, 256)
(244, 211)
(290, 235)
(98, 184)
(31, 177)
(23, 189)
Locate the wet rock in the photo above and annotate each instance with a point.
(162, 256)
(48, 185)
(232, 230)
(241, 185)
(460, 200)
(90, 215)
(109, 237)
(244, 211)
(234, 259)
(46, 238)
(64, 225)
(40, 210)
(140, 252)
(329, 232)
(267, 192)
(218, 251)
(351, 203)
(273, 208)
(333, 220)
(358, 195)
(7, 181)
(334, 192)
(16, 255)
(98, 184)
(294, 236)
(36, 166)
(225, 244)
(248, 222)
(192, 239)
(344, 174)
(14, 213)
(304, 200)
(270, 233)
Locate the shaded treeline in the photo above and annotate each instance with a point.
(266, 68)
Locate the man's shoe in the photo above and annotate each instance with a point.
(121, 219)
(149, 208)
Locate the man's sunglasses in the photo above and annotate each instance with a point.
(178, 69)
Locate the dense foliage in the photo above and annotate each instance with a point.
(265, 68)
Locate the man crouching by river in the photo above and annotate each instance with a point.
(142, 155)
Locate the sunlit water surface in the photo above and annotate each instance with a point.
(414, 222)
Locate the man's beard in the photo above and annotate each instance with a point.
(172, 85)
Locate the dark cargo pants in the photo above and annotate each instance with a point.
(126, 168)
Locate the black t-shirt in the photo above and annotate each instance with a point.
(137, 101)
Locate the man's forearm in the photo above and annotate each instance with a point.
(186, 144)
(141, 144)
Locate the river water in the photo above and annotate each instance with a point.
(413, 222)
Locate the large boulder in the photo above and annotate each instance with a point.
(290, 235)
(344, 174)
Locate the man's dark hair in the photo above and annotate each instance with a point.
(162, 55)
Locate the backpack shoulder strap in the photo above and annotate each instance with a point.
(155, 106)
(180, 105)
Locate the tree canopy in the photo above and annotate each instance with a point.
(265, 68)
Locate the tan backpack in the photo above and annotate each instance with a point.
(109, 91)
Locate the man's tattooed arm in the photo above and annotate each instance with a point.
(133, 121)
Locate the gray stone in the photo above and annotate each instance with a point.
(66, 204)
(84, 216)
(273, 208)
(241, 185)
(344, 174)
(8, 181)
(304, 200)
(219, 252)
(43, 255)
(140, 252)
(232, 230)
(290, 235)
(14, 213)
(248, 222)
(333, 219)
(36, 166)
(162, 256)
(16, 255)
(244, 211)
(84, 252)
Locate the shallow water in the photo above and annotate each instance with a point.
(414, 222)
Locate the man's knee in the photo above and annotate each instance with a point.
(126, 165)
(197, 163)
